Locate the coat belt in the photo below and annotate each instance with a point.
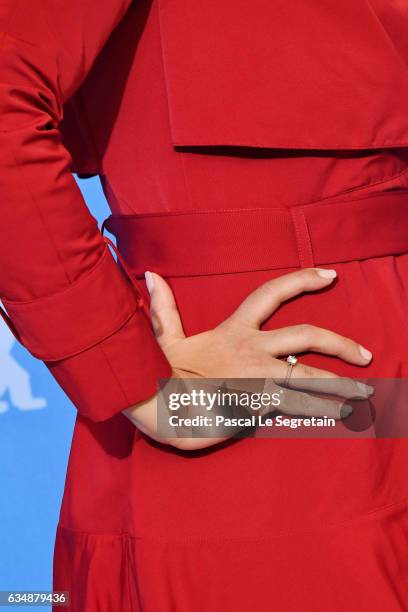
(193, 243)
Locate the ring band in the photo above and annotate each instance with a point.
(291, 360)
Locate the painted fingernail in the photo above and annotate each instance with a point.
(365, 353)
(345, 411)
(326, 273)
(149, 281)
(366, 389)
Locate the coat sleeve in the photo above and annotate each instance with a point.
(67, 300)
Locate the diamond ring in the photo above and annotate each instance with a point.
(291, 360)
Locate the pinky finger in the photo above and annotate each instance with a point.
(303, 404)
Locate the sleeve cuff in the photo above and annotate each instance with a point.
(72, 320)
(96, 339)
(117, 373)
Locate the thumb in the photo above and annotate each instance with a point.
(163, 310)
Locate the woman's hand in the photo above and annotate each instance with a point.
(237, 348)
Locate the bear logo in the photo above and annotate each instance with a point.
(14, 378)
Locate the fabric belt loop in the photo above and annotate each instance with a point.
(303, 242)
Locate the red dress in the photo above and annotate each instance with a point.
(235, 142)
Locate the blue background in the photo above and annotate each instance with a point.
(34, 448)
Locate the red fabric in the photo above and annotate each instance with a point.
(59, 282)
(258, 523)
(327, 519)
(302, 236)
(347, 51)
(95, 307)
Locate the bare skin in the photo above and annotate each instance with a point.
(238, 345)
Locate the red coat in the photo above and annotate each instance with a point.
(169, 102)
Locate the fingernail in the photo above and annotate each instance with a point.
(326, 273)
(345, 411)
(366, 389)
(149, 282)
(365, 353)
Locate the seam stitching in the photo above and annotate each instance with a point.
(275, 209)
(327, 526)
(119, 384)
